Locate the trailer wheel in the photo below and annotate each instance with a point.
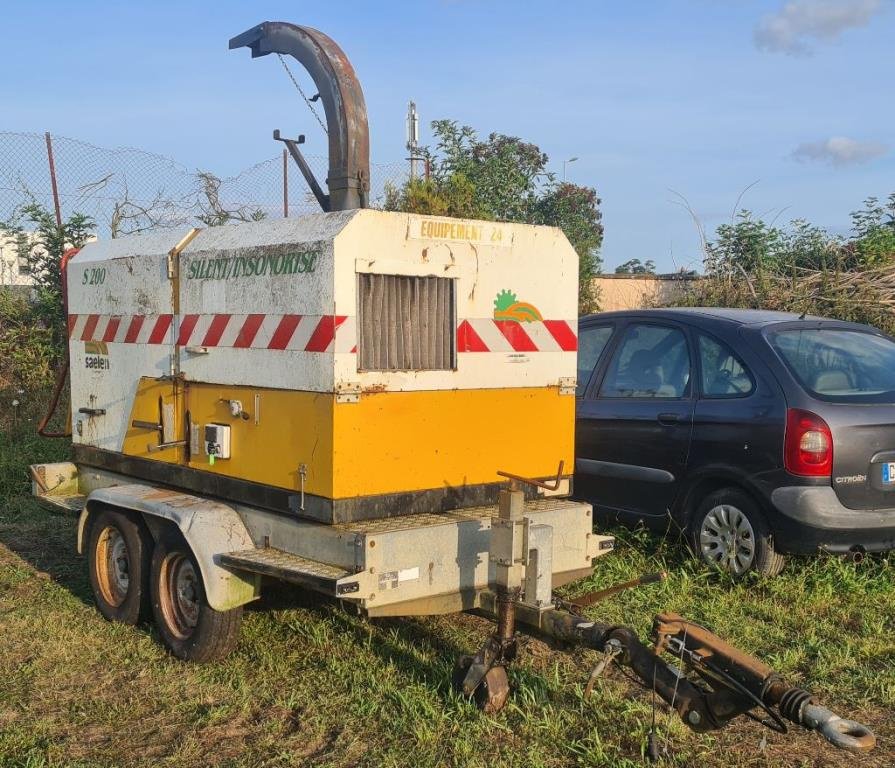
(118, 562)
(190, 628)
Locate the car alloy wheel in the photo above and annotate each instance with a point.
(727, 539)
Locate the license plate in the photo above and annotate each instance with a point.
(889, 473)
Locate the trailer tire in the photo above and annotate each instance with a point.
(190, 628)
(119, 552)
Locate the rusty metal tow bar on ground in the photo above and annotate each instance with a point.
(711, 683)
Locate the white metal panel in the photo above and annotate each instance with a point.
(155, 243)
(117, 290)
(274, 304)
(489, 261)
(280, 270)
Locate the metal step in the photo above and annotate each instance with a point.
(286, 566)
(73, 503)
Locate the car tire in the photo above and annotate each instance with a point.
(190, 628)
(729, 532)
(118, 561)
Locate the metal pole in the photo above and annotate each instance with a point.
(285, 185)
(53, 179)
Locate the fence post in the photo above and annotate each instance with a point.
(285, 186)
(53, 179)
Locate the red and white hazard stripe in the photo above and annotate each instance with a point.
(489, 335)
(304, 333)
(299, 333)
(308, 333)
(128, 329)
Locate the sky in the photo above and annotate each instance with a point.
(786, 106)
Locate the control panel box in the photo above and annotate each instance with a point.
(217, 441)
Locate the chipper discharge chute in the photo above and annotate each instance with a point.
(375, 406)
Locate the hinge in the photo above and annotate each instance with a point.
(567, 385)
(348, 392)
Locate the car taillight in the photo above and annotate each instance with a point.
(808, 448)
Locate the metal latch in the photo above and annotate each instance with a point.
(567, 385)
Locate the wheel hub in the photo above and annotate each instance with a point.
(113, 566)
(180, 598)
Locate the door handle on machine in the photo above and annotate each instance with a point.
(669, 419)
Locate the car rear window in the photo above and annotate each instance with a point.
(838, 364)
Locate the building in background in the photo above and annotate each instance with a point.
(639, 291)
(14, 270)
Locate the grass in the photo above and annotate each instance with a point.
(312, 685)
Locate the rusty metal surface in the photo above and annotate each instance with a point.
(695, 637)
(722, 682)
(342, 97)
(551, 485)
(582, 601)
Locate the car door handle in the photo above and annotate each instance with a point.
(668, 419)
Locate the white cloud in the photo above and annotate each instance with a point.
(839, 151)
(799, 22)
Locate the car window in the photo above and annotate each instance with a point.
(591, 343)
(839, 365)
(723, 373)
(650, 361)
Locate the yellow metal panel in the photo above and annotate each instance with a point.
(293, 428)
(388, 442)
(406, 441)
(151, 395)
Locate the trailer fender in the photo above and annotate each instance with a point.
(211, 529)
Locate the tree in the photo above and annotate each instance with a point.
(504, 178)
(635, 267)
(41, 243)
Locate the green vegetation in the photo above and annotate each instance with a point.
(41, 244)
(312, 685)
(504, 178)
(755, 264)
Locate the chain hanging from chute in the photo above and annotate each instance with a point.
(303, 95)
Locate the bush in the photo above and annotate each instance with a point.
(804, 269)
(29, 351)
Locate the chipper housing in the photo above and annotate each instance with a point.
(340, 366)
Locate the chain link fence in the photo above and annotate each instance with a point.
(129, 190)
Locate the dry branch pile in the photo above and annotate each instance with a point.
(861, 296)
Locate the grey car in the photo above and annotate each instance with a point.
(756, 433)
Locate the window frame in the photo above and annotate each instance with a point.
(697, 332)
(597, 386)
(778, 328)
(586, 392)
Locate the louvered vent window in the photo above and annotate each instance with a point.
(406, 323)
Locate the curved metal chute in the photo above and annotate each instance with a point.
(343, 102)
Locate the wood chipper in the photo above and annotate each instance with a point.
(375, 406)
